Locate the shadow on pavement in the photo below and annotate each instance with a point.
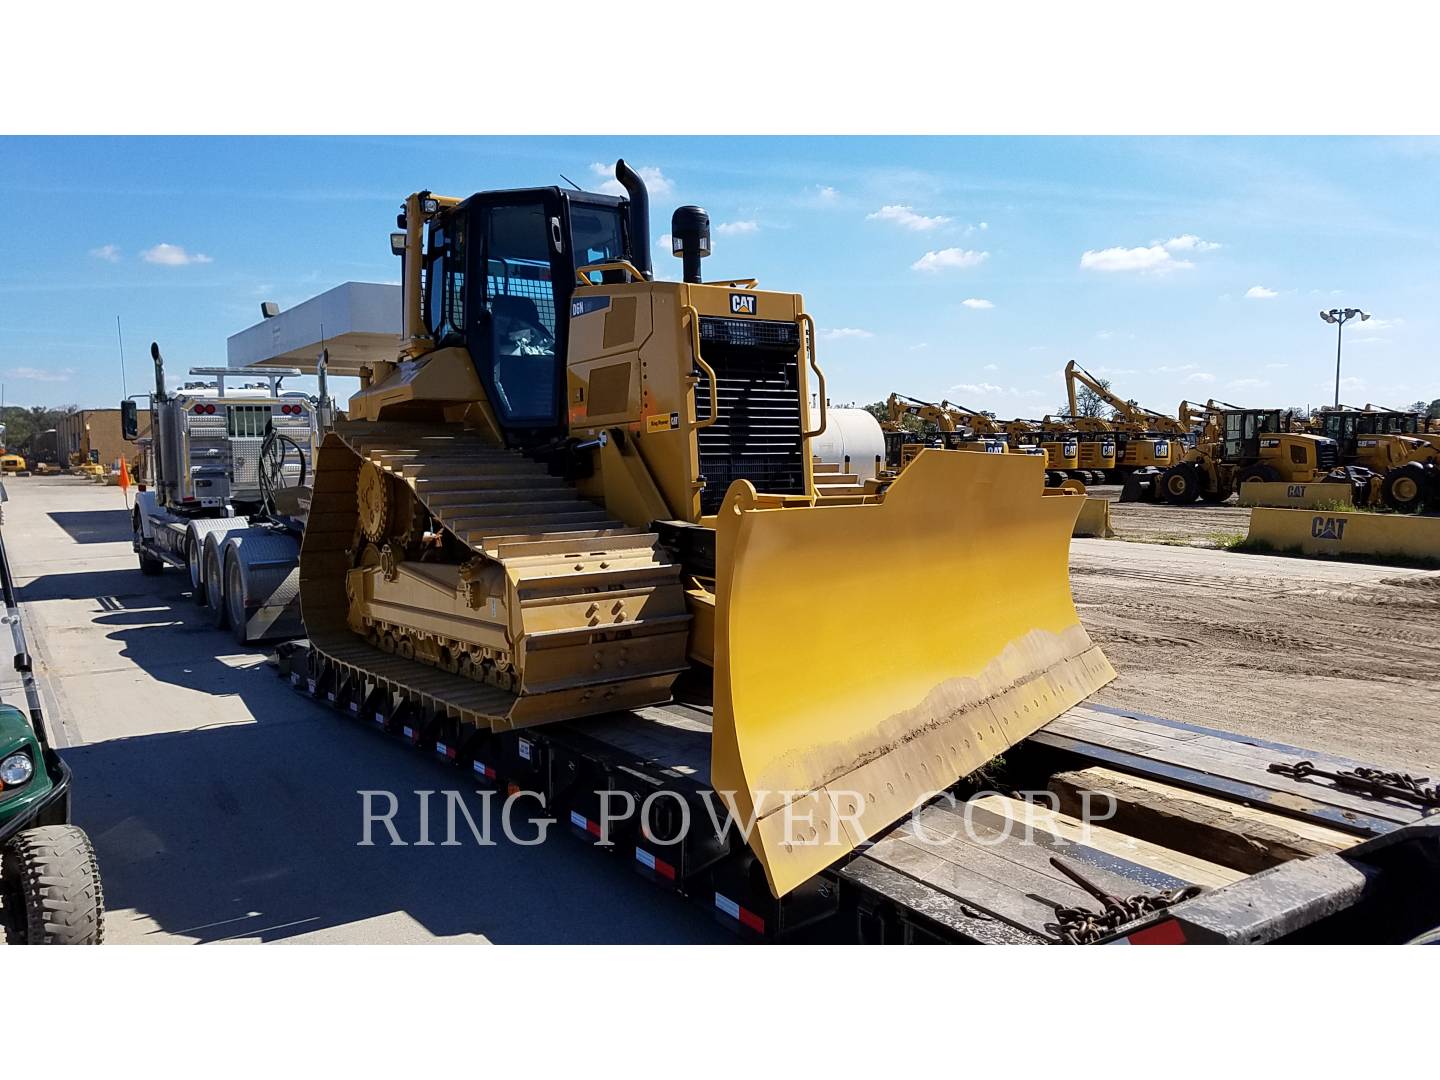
(251, 829)
(94, 526)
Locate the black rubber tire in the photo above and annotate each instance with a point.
(1405, 487)
(215, 589)
(235, 601)
(149, 565)
(194, 566)
(1179, 485)
(1263, 473)
(51, 875)
(1217, 495)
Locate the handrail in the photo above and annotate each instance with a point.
(706, 368)
(613, 264)
(807, 342)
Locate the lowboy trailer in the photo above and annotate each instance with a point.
(1106, 826)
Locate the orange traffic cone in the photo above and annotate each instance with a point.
(124, 476)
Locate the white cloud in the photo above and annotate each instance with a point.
(1247, 384)
(1175, 369)
(907, 218)
(1189, 242)
(107, 252)
(40, 374)
(1102, 370)
(1350, 382)
(1200, 377)
(949, 259)
(1158, 258)
(980, 388)
(992, 367)
(844, 332)
(826, 194)
(173, 255)
(1260, 292)
(656, 182)
(1146, 260)
(1381, 324)
(1276, 367)
(663, 241)
(976, 304)
(737, 228)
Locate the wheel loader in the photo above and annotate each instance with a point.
(579, 489)
(1395, 460)
(1241, 445)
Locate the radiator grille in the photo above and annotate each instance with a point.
(758, 436)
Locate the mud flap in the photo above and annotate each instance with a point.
(833, 717)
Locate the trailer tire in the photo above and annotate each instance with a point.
(51, 877)
(149, 565)
(215, 588)
(1179, 485)
(235, 600)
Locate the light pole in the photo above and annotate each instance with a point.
(1340, 316)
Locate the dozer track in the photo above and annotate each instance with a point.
(430, 551)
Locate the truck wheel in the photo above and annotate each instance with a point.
(235, 599)
(50, 877)
(215, 589)
(149, 565)
(1403, 489)
(195, 564)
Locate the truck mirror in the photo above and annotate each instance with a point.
(129, 420)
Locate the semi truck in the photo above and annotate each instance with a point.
(224, 492)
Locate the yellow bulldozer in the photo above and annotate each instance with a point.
(579, 489)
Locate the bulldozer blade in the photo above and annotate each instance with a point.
(834, 718)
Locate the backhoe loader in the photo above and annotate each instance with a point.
(1146, 441)
(579, 490)
(1239, 445)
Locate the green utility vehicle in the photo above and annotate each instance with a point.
(50, 890)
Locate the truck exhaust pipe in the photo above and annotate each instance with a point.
(159, 370)
(639, 217)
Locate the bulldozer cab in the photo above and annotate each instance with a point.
(499, 271)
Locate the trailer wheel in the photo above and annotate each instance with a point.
(194, 565)
(50, 887)
(235, 600)
(149, 565)
(215, 588)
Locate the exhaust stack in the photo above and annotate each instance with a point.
(639, 216)
(690, 240)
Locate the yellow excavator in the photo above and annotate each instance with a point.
(1147, 442)
(579, 489)
(942, 426)
(1095, 444)
(1062, 448)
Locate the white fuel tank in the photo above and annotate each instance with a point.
(852, 439)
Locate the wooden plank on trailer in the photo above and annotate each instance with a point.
(1177, 864)
(1218, 830)
(1225, 763)
(1295, 804)
(996, 899)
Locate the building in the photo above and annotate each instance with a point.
(94, 434)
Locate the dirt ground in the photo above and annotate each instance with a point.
(1336, 656)
(1200, 525)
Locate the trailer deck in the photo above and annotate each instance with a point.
(1102, 802)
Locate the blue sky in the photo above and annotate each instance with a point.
(967, 268)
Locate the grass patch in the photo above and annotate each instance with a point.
(1228, 541)
(1261, 547)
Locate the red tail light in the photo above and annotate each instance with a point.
(209, 410)
(199, 410)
